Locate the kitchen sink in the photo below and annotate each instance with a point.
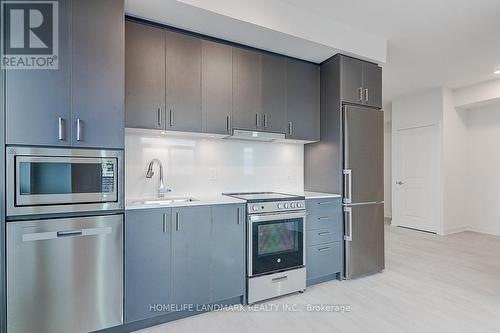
(165, 201)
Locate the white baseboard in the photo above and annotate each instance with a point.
(455, 230)
(494, 232)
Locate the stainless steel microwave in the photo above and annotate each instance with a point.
(60, 180)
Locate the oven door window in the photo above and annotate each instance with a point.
(277, 245)
(45, 181)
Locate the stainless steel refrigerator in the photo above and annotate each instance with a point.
(363, 193)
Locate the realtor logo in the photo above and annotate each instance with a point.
(30, 34)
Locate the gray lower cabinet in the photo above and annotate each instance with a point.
(302, 100)
(228, 252)
(246, 89)
(37, 101)
(148, 248)
(273, 116)
(324, 237)
(183, 82)
(144, 76)
(183, 256)
(216, 87)
(97, 73)
(191, 255)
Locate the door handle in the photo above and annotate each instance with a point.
(265, 120)
(360, 94)
(400, 183)
(239, 218)
(279, 279)
(61, 125)
(171, 118)
(158, 116)
(177, 221)
(321, 249)
(324, 233)
(257, 120)
(78, 129)
(347, 185)
(164, 220)
(228, 121)
(290, 128)
(366, 95)
(348, 214)
(69, 233)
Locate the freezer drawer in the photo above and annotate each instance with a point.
(64, 275)
(364, 239)
(363, 130)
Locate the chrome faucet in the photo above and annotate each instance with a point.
(162, 190)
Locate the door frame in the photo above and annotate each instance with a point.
(438, 188)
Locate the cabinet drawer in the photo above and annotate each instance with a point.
(323, 206)
(321, 221)
(322, 236)
(324, 259)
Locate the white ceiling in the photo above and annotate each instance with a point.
(430, 43)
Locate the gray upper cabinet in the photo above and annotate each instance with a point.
(216, 87)
(372, 85)
(361, 82)
(191, 255)
(183, 82)
(144, 76)
(35, 100)
(273, 116)
(97, 73)
(228, 252)
(351, 80)
(148, 251)
(246, 89)
(302, 100)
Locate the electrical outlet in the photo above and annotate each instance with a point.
(212, 174)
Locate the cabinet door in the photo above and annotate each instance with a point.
(302, 100)
(97, 73)
(216, 87)
(36, 99)
(191, 255)
(273, 93)
(351, 80)
(144, 76)
(372, 85)
(183, 82)
(246, 89)
(147, 261)
(228, 252)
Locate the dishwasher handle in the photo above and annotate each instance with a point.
(38, 236)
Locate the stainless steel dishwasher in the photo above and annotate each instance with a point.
(65, 275)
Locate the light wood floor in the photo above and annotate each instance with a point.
(431, 284)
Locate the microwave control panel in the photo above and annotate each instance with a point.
(108, 176)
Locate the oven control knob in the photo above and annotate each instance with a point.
(299, 204)
(292, 205)
(286, 206)
(280, 206)
(255, 208)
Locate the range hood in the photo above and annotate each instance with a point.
(256, 135)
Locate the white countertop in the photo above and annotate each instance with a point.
(319, 195)
(201, 200)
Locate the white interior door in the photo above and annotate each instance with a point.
(416, 182)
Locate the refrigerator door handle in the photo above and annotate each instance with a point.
(347, 186)
(348, 219)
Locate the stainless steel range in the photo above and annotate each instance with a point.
(275, 244)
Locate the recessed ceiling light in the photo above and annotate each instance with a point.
(497, 71)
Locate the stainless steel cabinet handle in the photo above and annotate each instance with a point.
(366, 95)
(239, 216)
(69, 233)
(158, 116)
(265, 120)
(324, 203)
(347, 185)
(281, 278)
(38, 236)
(78, 129)
(290, 128)
(324, 233)
(360, 94)
(177, 221)
(321, 249)
(61, 132)
(228, 123)
(400, 183)
(171, 117)
(348, 220)
(164, 218)
(323, 218)
(257, 120)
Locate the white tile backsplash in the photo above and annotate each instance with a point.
(210, 165)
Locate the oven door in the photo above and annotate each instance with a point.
(57, 182)
(276, 242)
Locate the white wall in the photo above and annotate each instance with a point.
(190, 164)
(482, 194)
